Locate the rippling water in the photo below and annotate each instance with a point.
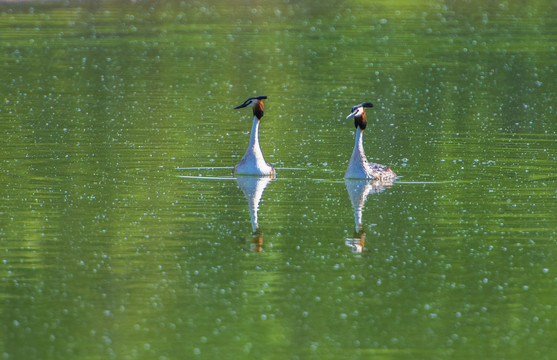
(123, 234)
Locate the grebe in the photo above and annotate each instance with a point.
(253, 162)
(359, 167)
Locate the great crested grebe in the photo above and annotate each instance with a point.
(253, 162)
(359, 167)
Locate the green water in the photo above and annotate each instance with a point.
(123, 234)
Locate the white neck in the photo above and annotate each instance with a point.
(358, 166)
(358, 152)
(253, 162)
(254, 137)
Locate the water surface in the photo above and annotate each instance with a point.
(123, 234)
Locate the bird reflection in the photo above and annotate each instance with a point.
(358, 190)
(253, 188)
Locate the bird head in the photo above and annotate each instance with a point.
(256, 103)
(359, 114)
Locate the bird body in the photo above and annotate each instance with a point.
(253, 163)
(359, 167)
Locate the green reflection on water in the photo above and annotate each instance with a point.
(124, 236)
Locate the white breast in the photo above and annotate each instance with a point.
(253, 162)
(358, 168)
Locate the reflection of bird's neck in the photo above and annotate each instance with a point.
(358, 216)
(253, 211)
(253, 188)
(358, 191)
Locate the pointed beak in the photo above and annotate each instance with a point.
(352, 114)
(241, 106)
